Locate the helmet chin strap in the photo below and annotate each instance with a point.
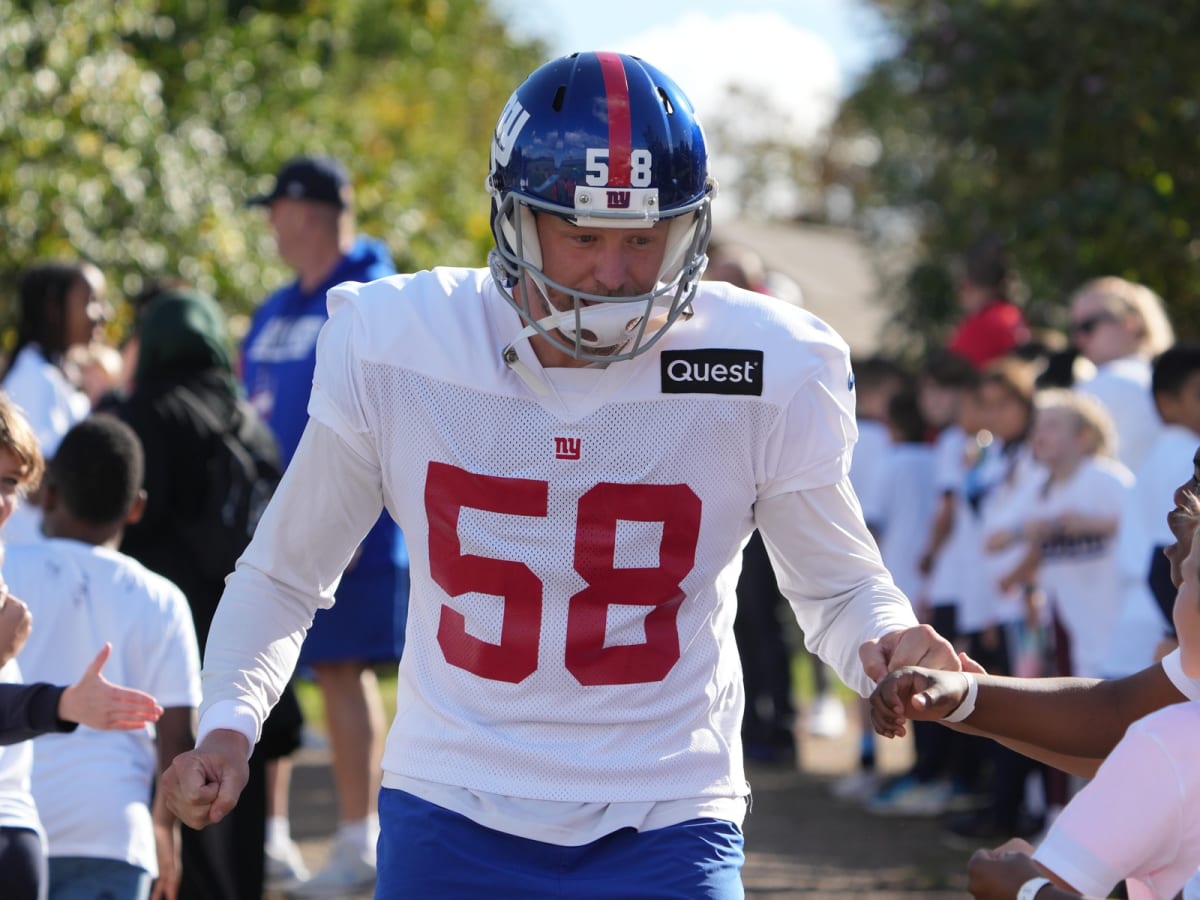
(609, 326)
(598, 327)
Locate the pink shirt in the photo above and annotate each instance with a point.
(1137, 818)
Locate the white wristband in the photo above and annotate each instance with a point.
(967, 706)
(1030, 889)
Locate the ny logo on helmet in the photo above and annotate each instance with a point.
(508, 129)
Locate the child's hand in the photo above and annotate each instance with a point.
(96, 702)
(1038, 531)
(914, 693)
(16, 622)
(998, 874)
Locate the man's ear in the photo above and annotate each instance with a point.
(136, 509)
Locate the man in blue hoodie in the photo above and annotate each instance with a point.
(310, 210)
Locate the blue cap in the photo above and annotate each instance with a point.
(318, 179)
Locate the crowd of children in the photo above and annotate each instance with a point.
(1040, 501)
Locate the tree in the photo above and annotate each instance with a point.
(131, 133)
(1068, 127)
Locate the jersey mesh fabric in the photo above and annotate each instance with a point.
(536, 733)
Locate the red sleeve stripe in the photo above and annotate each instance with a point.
(620, 140)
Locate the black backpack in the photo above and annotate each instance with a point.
(241, 480)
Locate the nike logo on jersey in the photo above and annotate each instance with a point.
(712, 372)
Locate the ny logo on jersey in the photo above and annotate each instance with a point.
(567, 448)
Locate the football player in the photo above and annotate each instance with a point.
(577, 441)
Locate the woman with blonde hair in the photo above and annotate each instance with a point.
(1120, 326)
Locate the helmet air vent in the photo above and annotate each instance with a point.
(666, 101)
(559, 96)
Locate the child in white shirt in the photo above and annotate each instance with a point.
(83, 592)
(1070, 523)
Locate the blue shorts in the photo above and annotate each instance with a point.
(366, 624)
(428, 851)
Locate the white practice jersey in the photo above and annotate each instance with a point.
(575, 545)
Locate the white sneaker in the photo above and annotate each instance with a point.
(348, 871)
(284, 864)
(913, 799)
(826, 717)
(857, 786)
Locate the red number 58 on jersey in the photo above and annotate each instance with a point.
(449, 489)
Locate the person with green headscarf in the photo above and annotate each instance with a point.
(186, 406)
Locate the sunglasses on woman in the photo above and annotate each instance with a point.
(1091, 323)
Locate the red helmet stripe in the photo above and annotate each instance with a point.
(620, 132)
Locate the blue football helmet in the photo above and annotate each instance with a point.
(603, 140)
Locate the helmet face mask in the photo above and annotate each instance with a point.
(603, 141)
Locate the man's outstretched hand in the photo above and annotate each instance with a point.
(919, 645)
(203, 785)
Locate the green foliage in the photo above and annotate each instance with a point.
(1068, 127)
(131, 133)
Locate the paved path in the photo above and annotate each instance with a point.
(800, 841)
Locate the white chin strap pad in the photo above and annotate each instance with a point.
(529, 247)
(679, 239)
(607, 325)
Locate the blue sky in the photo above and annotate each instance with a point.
(851, 31)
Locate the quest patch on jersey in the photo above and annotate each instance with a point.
(712, 372)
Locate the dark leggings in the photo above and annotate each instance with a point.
(22, 865)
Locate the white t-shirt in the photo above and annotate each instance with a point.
(1123, 386)
(17, 809)
(1079, 574)
(52, 405)
(908, 502)
(1142, 625)
(1167, 465)
(949, 468)
(1014, 478)
(567, 548)
(867, 468)
(1137, 818)
(93, 788)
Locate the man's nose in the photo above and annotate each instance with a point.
(612, 265)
